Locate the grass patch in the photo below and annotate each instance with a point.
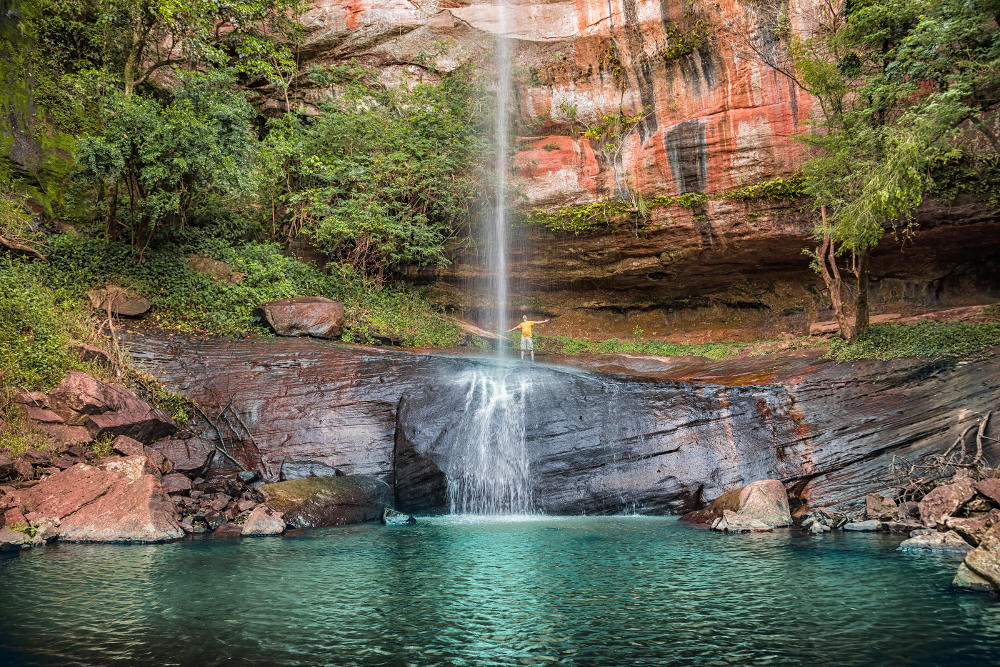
(922, 339)
(17, 438)
(573, 346)
(186, 300)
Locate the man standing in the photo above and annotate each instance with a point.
(526, 341)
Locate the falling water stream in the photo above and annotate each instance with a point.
(492, 475)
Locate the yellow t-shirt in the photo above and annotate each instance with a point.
(526, 328)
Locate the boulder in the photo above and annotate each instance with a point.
(6, 467)
(65, 435)
(304, 316)
(943, 501)
(328, 501)
(13, 540)
(946, 542)
(127, 446)
(175, 483)
(878, 507)
(215, 269)
(103, 408)
(869, 525)
(228, 530)
(131, 467)
(121, 301)
(732, 522)
(112, 503)
(263, 521)
(966, 579)
(990, 488)
(973, 528)
(188, 455)
(730, 500)
(984, 560)
(391, 517)
(765, 501)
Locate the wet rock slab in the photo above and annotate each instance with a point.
(668, 441)
(313, 502)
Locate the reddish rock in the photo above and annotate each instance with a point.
(31, 398)
(121, 301)
(63, 435)
(220, 502)
(228, 530)
(127, 446)
(12, 540)
(42, 415)
(64, 493)
(130, 511)
(879, 507)
(733, 522)
(766, 501)
(943, 501)
(263, 521)
(305, 316)
(107, 409)
(973, 529)
(189, 455)
(65, 462)
(984, 560)
(132, 467)
(6, 466)
(176, 483)
(328, 501)
(36, 456)
(14, 516)
(23, 470)
(245, 504)
(82, 394)
(990, 487)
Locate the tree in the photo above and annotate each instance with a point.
(903, 86)
(165, 157)
(383, 177)
(253, 37)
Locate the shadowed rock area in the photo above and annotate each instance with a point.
(596, 443)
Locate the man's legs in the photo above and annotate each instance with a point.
(524, 346)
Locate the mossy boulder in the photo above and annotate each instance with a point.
(312, 502)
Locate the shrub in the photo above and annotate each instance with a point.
(923, 339)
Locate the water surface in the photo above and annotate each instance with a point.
(452, 591)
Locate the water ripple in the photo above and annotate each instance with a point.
(458, 591)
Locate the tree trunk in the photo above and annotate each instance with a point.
(861, 312)
(826, 255)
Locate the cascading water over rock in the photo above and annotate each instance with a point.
(491, 475)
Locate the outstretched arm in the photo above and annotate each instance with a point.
(542, 322)
(513, 327)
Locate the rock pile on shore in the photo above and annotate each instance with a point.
(119, 470)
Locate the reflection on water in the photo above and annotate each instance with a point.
(451, 590)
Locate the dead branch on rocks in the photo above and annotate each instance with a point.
(13, 244)
(914, 479)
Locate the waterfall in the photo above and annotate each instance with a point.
(490, 473)
(498, 237)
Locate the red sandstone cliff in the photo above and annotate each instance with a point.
(713, 118)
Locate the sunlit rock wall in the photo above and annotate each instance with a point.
(714, 118)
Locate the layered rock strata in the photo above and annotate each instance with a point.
(595, 443)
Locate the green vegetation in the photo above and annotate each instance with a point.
(586, 218)
(903, 87)
(571, 346)
(787, 188)
(37, 324)
(923, 339)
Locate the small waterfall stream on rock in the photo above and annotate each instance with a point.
(492, 476)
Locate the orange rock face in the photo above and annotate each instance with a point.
(707, 116)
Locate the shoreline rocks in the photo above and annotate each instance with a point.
(312, 502)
